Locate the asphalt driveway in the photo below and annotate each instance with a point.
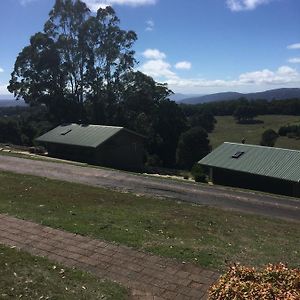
(222, 197)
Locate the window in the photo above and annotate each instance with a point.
(65, 132)
(238, 154)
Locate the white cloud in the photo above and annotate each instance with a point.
(239, 5)
(294, 46)
(3, 89)
(283, 75)
(262, 79)
(158, 68)
(150, 25)
(1, 70)
(94, 5)
(183, 65)
(294, 60)
(25, 2)
(154, 54)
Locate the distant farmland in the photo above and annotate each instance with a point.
(227, 130)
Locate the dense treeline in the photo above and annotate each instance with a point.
(258, 107)
(291, 131)
(21, 125)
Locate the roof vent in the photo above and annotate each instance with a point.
(238, 154)
(65, 132)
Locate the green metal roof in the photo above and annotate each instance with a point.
(265, 161)
(80, 135)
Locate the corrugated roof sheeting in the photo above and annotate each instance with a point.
(259, 160)
(79, 135)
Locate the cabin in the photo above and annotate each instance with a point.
(266, 169)
(109, 146)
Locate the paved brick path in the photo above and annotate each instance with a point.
(148, 276)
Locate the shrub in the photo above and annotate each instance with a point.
(37, 150)
(269, 138)
(198, 173)
(275, 282)
(192, 146)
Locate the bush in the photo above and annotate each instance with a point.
(37, 150)
(192, 146)
(198, 173)
(274, 282)
(269, 138)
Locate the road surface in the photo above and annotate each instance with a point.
(222, 197)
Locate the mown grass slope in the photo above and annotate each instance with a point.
(206, 236)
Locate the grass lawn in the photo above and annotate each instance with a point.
(23, 276)
(206, 236)
(227, 130)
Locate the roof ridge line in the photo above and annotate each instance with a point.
(260, 146)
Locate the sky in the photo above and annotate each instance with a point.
(196, 46)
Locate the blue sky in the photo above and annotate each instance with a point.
(196, 46)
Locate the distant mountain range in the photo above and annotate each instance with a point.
(8, 100)
(11, 102)
(281, 94)
(7, 97)
(179, 97)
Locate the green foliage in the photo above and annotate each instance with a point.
(21, 126)
(78, 57)
(244, 113)
(273, 282)
(198, 116)
(108, 62)
(10, 132)
(198, 173)
(269, 138)
(141, 102)
(261, 106)
(204, 119)
(192, 146)
(169, 123)
(291, 131)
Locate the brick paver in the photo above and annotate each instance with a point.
(148, 276)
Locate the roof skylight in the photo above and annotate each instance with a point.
(237, 154)
(65, 132)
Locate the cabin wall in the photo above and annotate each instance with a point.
(124, 150)
(254, 182)
(70, 152)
